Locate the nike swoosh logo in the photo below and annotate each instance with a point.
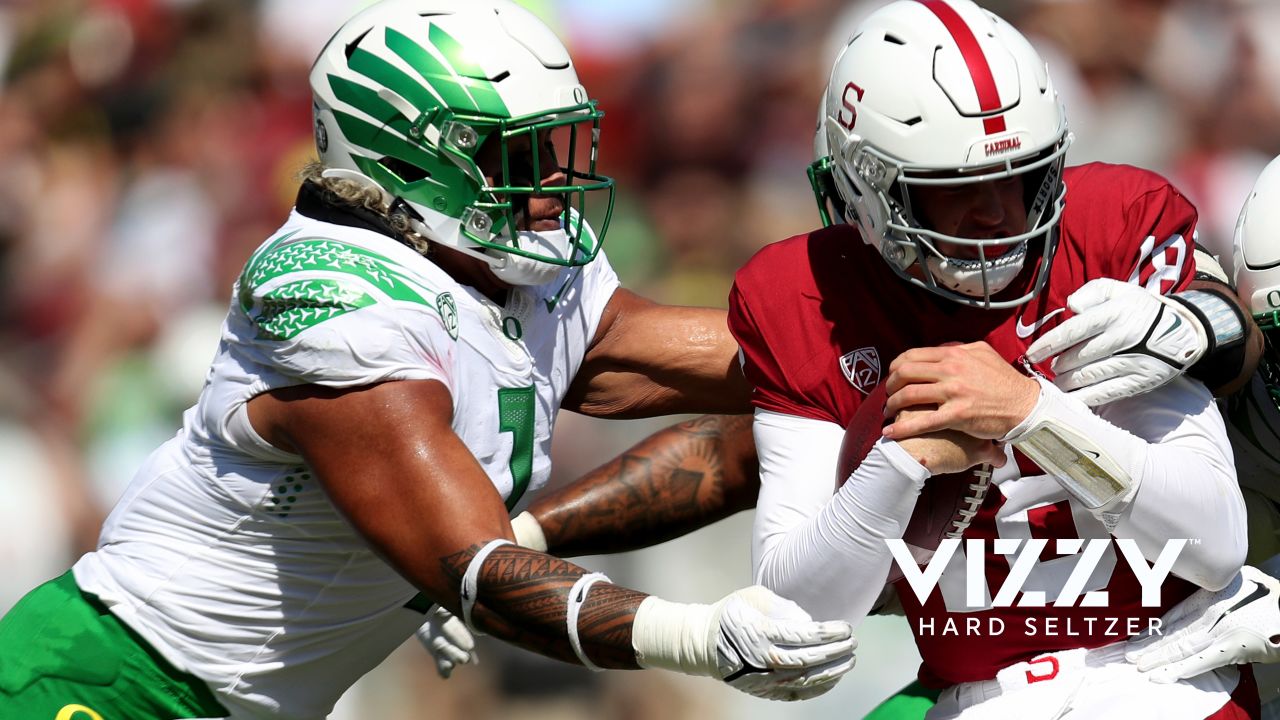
(1026, 331)
(1176, 322)
(1258, 592)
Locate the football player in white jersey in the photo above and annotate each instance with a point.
(1241, 623)
(384, 394)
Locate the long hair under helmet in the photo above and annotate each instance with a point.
(942, 93)
(407, 92)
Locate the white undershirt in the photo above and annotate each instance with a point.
(825, 551)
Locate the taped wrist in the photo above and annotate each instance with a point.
(676, 636)
(1091, 459)
(1224, 324)
(528, 532)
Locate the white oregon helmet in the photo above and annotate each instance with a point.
(1255, 261)
(406, 93)
(1255, 251)
(942, 92)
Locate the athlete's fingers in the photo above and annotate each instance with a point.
(913, 396)
(913, 372)
(919, 424)
(919, 355)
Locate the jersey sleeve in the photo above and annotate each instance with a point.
(763, 336)
(378, 343)
(1166, 223)
(351, 324)
(596, 282)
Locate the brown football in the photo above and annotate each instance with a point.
(947, 503)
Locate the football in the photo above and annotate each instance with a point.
(947, 503)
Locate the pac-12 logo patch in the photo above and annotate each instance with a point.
(448, 313)
(862, 368)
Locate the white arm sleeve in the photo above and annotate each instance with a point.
(826, 551)
(1173, 445)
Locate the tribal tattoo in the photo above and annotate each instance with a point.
(675, 481)
(523, 598)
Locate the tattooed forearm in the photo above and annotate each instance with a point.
(673, 482)
(523, 598)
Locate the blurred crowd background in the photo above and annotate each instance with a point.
(147, 146)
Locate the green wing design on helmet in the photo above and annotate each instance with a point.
(316, 279)
(447, 82)
(461, 84)
(408, 99)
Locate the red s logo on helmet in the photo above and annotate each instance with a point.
(853, 111)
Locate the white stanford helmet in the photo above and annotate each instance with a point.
(408, 91)
(942, 92)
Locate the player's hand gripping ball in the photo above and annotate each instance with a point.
(948, 502)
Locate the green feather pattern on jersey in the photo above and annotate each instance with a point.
(333, 278)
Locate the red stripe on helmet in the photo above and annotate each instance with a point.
(984, 83)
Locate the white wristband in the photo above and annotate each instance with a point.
(577, 598)
(675, 636)
(471, 578)
(529, 532)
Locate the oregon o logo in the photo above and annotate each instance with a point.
(1273, 298)
(448, 313)
(75, 712)
(512, 329)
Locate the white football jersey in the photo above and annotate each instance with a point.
(226, 554)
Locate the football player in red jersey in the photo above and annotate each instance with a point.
(947, 144)
(1240, 623)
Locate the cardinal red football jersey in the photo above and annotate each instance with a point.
(820, 316)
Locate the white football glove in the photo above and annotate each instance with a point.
(448, 641)
(1122, 341)
(755, 641)
(1209, 630)
(770, 648)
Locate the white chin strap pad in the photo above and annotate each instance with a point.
(965, 276)
(520, 270)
